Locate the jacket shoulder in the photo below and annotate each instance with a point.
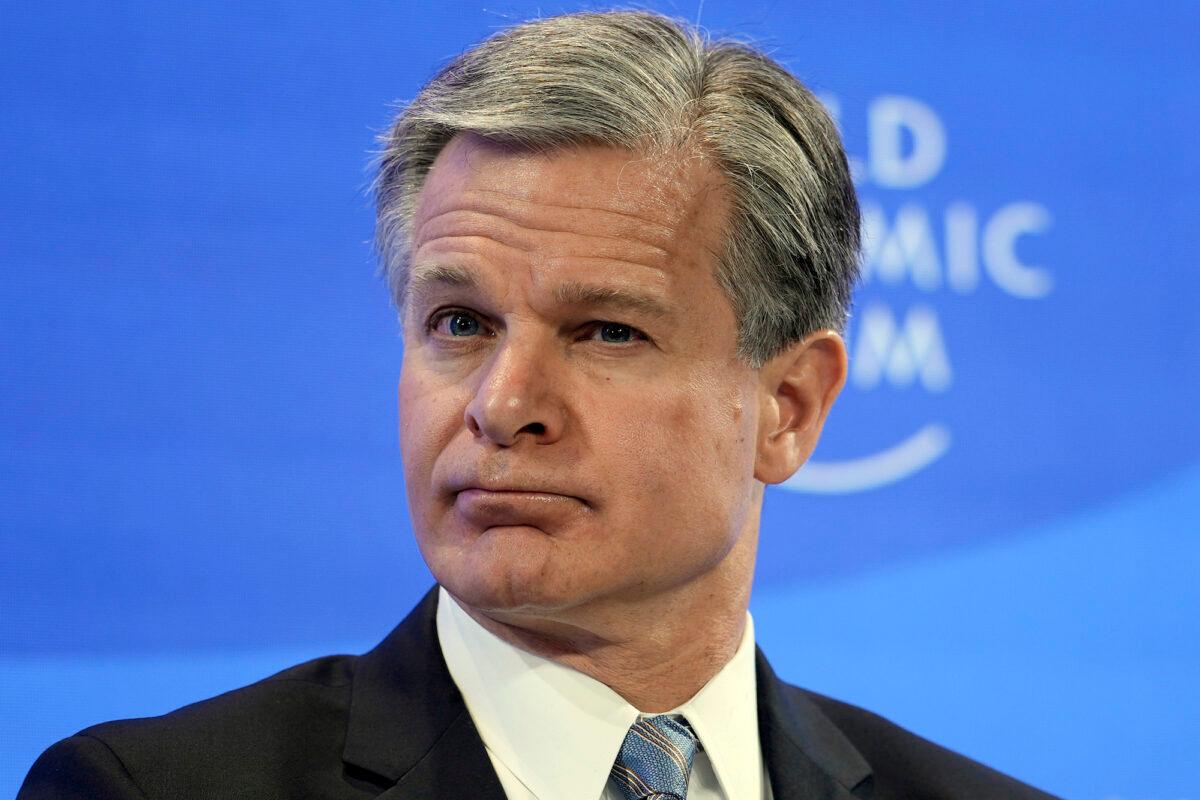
(905, 765)
(247, 742)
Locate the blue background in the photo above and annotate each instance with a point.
(199, 482)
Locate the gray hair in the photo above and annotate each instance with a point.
(644, 82)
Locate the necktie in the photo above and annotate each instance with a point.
(655, 759)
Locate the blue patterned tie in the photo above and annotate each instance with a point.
(655, 759)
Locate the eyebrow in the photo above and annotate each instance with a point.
(428, 278)
(425, 277)
(573, 293)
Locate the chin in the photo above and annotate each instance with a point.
(508, 571)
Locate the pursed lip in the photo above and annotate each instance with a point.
(516, 505)
(530, 489)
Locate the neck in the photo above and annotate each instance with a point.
(656, 652)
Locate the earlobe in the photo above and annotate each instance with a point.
(797, 389)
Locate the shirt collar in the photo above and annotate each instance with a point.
(724, 715)
(527, 707)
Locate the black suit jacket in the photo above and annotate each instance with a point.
(391, 724)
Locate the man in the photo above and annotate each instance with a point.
(622, 256)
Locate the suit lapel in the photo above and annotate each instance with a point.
(408, 726)
(457, 766)
(410, 732)
(807, 756)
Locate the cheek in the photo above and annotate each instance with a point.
(710, 422)
(429, 417)
(409, 409)
(693, 455)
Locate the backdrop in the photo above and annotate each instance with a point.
(995, 544)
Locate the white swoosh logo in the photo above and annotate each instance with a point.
(887, 466)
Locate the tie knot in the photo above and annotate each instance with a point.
(656, 759)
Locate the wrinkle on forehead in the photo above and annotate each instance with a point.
(528, 226)
(563, 218)
(664, 201)
(591, 215)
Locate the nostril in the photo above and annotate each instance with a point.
(536, 428)
(473, 425)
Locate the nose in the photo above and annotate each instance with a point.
(518, 397)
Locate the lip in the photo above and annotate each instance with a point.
(491, 508)
(511, 486)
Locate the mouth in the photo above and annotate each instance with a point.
(493, 508)
(475, 486)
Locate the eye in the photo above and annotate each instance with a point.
(456, 323)
(462, 325)
(617, 333)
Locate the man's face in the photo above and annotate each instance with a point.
(575, 423)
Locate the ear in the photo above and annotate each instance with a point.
(796, 390)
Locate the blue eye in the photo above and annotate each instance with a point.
(616, 333)
(460, 324)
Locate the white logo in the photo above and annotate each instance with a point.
(951, 253)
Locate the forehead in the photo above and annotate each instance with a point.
(652, 208)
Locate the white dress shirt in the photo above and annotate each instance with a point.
(552, 732)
